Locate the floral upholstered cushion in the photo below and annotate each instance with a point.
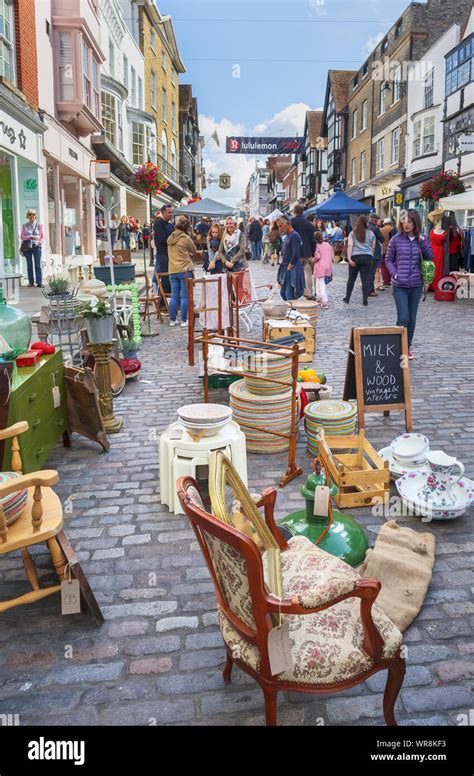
(231, 571)
(327, 647)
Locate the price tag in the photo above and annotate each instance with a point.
(56, 397)
(70, 597)
(279, 649)
(322, 495)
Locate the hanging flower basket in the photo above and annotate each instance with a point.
(444, 184)
(148, 179)
(194, 199)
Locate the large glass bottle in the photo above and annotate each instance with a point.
(15, 326)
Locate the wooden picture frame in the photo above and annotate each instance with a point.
(83, 405)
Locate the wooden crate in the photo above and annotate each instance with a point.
(272, 331)
(362, 477)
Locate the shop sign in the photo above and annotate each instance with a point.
(466, 143)
(398, 199)
(264, 145)
(102, 168)
(386, 190)
(18, 139)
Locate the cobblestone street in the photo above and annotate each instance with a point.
(158, 658)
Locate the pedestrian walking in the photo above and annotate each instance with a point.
(113, 227)
(32, 240)
(146, 235)
(266, 241)
(181, 252)
(232, 248)
(323, 265)
(406, 250)
(306, 232)
(388, 230)
(275, 244)
(291, 277)
(375, 276)
(256, 236)
(321, 227)
(123, 232)
(162, 229)
(214, 264)
(360, 254)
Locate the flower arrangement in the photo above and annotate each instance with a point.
(442, 185)
(96, 309)
(149, 180)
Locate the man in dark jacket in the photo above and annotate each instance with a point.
(377, 259)
(162, 228)
(255, 237)
(306, 232)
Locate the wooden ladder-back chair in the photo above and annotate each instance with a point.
(338, 635)
(39, 520)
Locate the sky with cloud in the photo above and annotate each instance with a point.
(257, 66)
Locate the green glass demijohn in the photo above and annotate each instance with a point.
(343, 536)
(15, 327)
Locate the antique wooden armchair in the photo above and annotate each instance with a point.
(338, 635)
(38, 518)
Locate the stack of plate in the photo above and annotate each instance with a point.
(270, 412)
(337, 418)
(204, 420)
(273, 365)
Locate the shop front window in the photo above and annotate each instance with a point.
(53, 226)
(7, 221)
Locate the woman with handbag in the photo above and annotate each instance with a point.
(32, 239)
(406, 253)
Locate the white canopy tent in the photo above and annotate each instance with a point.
(464, 201)
(274, 215)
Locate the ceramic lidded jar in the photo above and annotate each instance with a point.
(15, 326)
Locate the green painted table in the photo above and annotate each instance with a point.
(32, 400)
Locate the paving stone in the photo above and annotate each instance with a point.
(454, 670)
(115, 552)
(137, 594)
(210, 618)
(138, 539)
(203, 640)
(231, 702)
(197, 682)
(437, 721)
(426, 653)
(128, 628)
(151, 665)
(453, 697)
(204, 659)
(152, 713)
(152, 645)
(353, 709)
(98, 672)
(122, 530)
(175, 623)
(414, 676)
(449, 629)
(151, 609)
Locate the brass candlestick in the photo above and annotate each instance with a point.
(101, 353)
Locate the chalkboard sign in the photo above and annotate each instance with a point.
(377, 372)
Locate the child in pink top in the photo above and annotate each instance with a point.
(323, 260)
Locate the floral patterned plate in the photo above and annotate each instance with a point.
(410, 486)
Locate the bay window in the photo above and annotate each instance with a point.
(417, 140)
(429, 135)
(66, 72)
(138, 143)
(86, 74)
(7, 69)
(109, 111)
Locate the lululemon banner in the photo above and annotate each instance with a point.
(264, 145)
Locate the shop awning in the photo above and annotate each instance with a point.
(464, 201)
(340, 205)
(207, 207)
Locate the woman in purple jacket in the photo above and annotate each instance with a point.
(403, 260)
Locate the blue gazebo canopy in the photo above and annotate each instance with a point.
(339, 206)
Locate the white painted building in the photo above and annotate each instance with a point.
(128, 137)
(259, 195)
(424, 137)
(69, 61)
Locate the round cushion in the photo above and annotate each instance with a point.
(13, 504)
(131, 365)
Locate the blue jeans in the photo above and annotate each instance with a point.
(30, 255)
(257, 249)
(407, 301)
(125, 242)
(179, 296)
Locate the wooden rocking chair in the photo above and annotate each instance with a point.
(41, 520)
(332, 651)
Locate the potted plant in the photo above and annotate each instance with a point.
(99, 321)
(58, 286)
(130, 347)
